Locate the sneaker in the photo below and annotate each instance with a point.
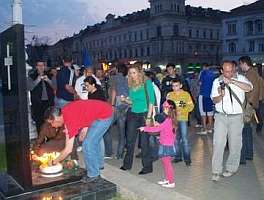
(108, 157)
(215, 177)
(169, 185)
(202, 132)
(198, 126)
(188, 163)
(162, 182)
(210, 131)
(86, 179)
(228, 174)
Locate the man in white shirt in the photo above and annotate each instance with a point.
(228, 119)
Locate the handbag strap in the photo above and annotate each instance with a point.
(146, 94)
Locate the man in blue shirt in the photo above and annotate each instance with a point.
(205, 103)
(65, 83)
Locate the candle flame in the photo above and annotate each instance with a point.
(45, 158)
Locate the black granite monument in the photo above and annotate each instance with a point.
(19, 181)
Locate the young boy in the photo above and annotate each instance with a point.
(184, 105)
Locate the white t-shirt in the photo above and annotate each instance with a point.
(226, 105)
(81, 89)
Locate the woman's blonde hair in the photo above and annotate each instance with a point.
(140, 80)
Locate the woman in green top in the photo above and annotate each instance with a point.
(141, 98)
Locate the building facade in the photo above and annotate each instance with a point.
(243, 33)
(168, 31)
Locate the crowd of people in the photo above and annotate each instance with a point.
(151, 109)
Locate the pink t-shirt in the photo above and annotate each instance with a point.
(167, 137)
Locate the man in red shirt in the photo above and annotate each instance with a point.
(90, 119)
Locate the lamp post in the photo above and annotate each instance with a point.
(16, 12)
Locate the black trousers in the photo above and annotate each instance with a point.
(134, 121)
(38, 110)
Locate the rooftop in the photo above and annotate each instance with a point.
(256, 7)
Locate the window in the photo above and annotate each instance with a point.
(159, 31)
(136, 52)
(135, 36)
(178, 8)
(251, 46)
(211, 34)
(142, 51)
(190, 33)
(259, 27)
(148, 51)
(141, 35)
(197, 33)
(232, 47)
(261, 47)
(249, 28)
(231, 29)
(204, 34)
(176, 29)
(147, 34)
(217, 35)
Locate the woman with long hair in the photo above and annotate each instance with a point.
(141, 98)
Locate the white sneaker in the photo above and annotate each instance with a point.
(169, 185)
(215, 177)
(210, 131)
(108, 157)
(228, 174)
(198, 126)
(162, 182)
(201, 133)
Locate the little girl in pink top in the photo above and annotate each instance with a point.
(165, 124)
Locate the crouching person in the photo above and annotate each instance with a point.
(90, 119)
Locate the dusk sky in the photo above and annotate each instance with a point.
(60, 18)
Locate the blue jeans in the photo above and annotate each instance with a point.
(108, 144)
(182, 142)
(247, 143)
(59, 103)
(120, 117)
(92, 151)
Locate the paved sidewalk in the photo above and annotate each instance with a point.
(195, 181)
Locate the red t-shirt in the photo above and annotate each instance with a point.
(82, 113)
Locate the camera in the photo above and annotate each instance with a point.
(222, 85)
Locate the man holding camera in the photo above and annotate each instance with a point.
(41, 92)
(228, 119)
